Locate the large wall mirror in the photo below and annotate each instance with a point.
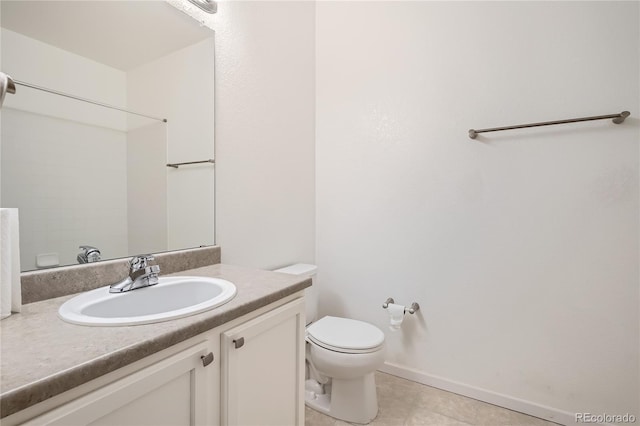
(83, 174)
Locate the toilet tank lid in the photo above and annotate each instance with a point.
(299, 269)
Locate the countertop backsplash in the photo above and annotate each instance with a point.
(50, 283)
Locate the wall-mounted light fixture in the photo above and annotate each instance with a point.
(208, 6)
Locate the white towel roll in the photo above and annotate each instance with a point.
(10, 288)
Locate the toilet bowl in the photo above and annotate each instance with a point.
(342, 356)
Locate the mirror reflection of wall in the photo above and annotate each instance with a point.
(83, 174)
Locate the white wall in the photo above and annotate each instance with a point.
(180, 87)
(53, 145)
(265, 75)
(32, 61)
(147, 189)
(521, 247)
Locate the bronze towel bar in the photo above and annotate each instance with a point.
(617, 118)
(176, 165)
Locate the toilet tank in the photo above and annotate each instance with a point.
(310, 293)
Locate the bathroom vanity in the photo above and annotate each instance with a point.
(240, 363)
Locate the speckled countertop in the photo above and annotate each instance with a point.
(43, 356)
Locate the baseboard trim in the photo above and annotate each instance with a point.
(515, 404)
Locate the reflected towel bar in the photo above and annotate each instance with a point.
(617, 119)
(78, 98)
(176, 165)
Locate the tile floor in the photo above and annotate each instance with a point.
(405, 403)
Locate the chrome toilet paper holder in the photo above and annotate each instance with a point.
(412, 309)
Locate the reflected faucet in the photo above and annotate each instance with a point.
(89, 254)
(141, 274)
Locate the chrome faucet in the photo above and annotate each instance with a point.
(89, 254)
(141, 274)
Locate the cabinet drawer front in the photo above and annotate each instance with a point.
(170, 392)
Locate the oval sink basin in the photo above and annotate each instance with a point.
(171, 298)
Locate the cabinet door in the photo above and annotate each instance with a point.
(263, 369)
(170, 392)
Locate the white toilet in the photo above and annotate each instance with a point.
(342, 357)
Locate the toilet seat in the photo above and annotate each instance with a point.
(345, 335)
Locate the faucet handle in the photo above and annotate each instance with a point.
(139, 262)
(141, 271)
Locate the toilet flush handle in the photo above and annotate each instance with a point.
(239, 342)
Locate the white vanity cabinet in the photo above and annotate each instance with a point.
(256, 377)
